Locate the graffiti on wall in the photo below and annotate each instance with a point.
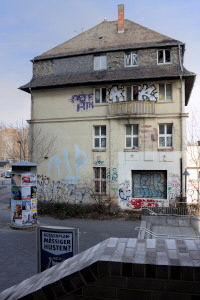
(149, 185)
(99, 162)
(143, 93)
(125, 193)
(83, 101)
(111, 175)
(60, 191)
(147, 93)
(56, 165)
(116, 93)
(173, 186)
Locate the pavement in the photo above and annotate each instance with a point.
(18, 251)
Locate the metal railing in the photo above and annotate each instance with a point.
(155, 235)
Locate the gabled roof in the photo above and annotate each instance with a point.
(105, 37)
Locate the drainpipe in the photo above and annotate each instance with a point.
(31, 130)
(182, 126)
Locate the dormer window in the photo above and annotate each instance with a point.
(164, 56)
(131, 59)
(100, 62)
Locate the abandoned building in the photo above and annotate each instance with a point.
(114, 98)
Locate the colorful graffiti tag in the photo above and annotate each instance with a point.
(140, 203)
(173, 186)
(111, 175)
(125, 193)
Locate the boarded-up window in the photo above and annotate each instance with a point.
(149, 184)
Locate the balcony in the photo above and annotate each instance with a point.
(131, 108)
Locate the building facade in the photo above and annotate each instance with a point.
(114, 97)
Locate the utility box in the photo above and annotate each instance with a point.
(24, 194)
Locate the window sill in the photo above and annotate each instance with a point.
(165, 63)
(99, 150)
(165, 149)
(165, 101)
(131, 150)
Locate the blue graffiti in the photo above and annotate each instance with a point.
(148, 185)
(80, 158)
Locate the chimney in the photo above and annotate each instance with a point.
(120, 18)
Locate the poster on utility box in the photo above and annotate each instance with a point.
(55, 245)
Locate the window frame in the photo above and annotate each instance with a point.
(99, 136)
(131, 59)
(102, 65)
(100, 94)
(132, 136)
(131, 89)
(165, 91)
(165, 135)
(164, 56)
(100, 181)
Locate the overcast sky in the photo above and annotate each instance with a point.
(30, 27)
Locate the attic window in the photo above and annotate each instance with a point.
(164, 56)
(100, 62)
(131, 59)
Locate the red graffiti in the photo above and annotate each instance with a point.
(139, 203)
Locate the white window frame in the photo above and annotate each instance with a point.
(132, 88)
(165, 92)
(101, 100)
(100, 137)
(165, 136)
(132, 59)
(100, 180)
(132, 136)
(100, 62)
(164, 56)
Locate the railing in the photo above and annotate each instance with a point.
(155, 235)
(168, 210)
(131, 108)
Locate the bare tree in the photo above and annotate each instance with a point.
(193, 152)
(42, 146)
(21, 145)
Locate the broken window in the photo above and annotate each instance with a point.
(164, 56)
(100, 95)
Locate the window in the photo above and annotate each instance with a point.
(148, 184)
(164, 56)
(132, 92)
(100, 180)
(100, 95)
(100, 136)
(100, 62)
(165, 91)
(131, 59)
(132, 136)
(165, 135)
